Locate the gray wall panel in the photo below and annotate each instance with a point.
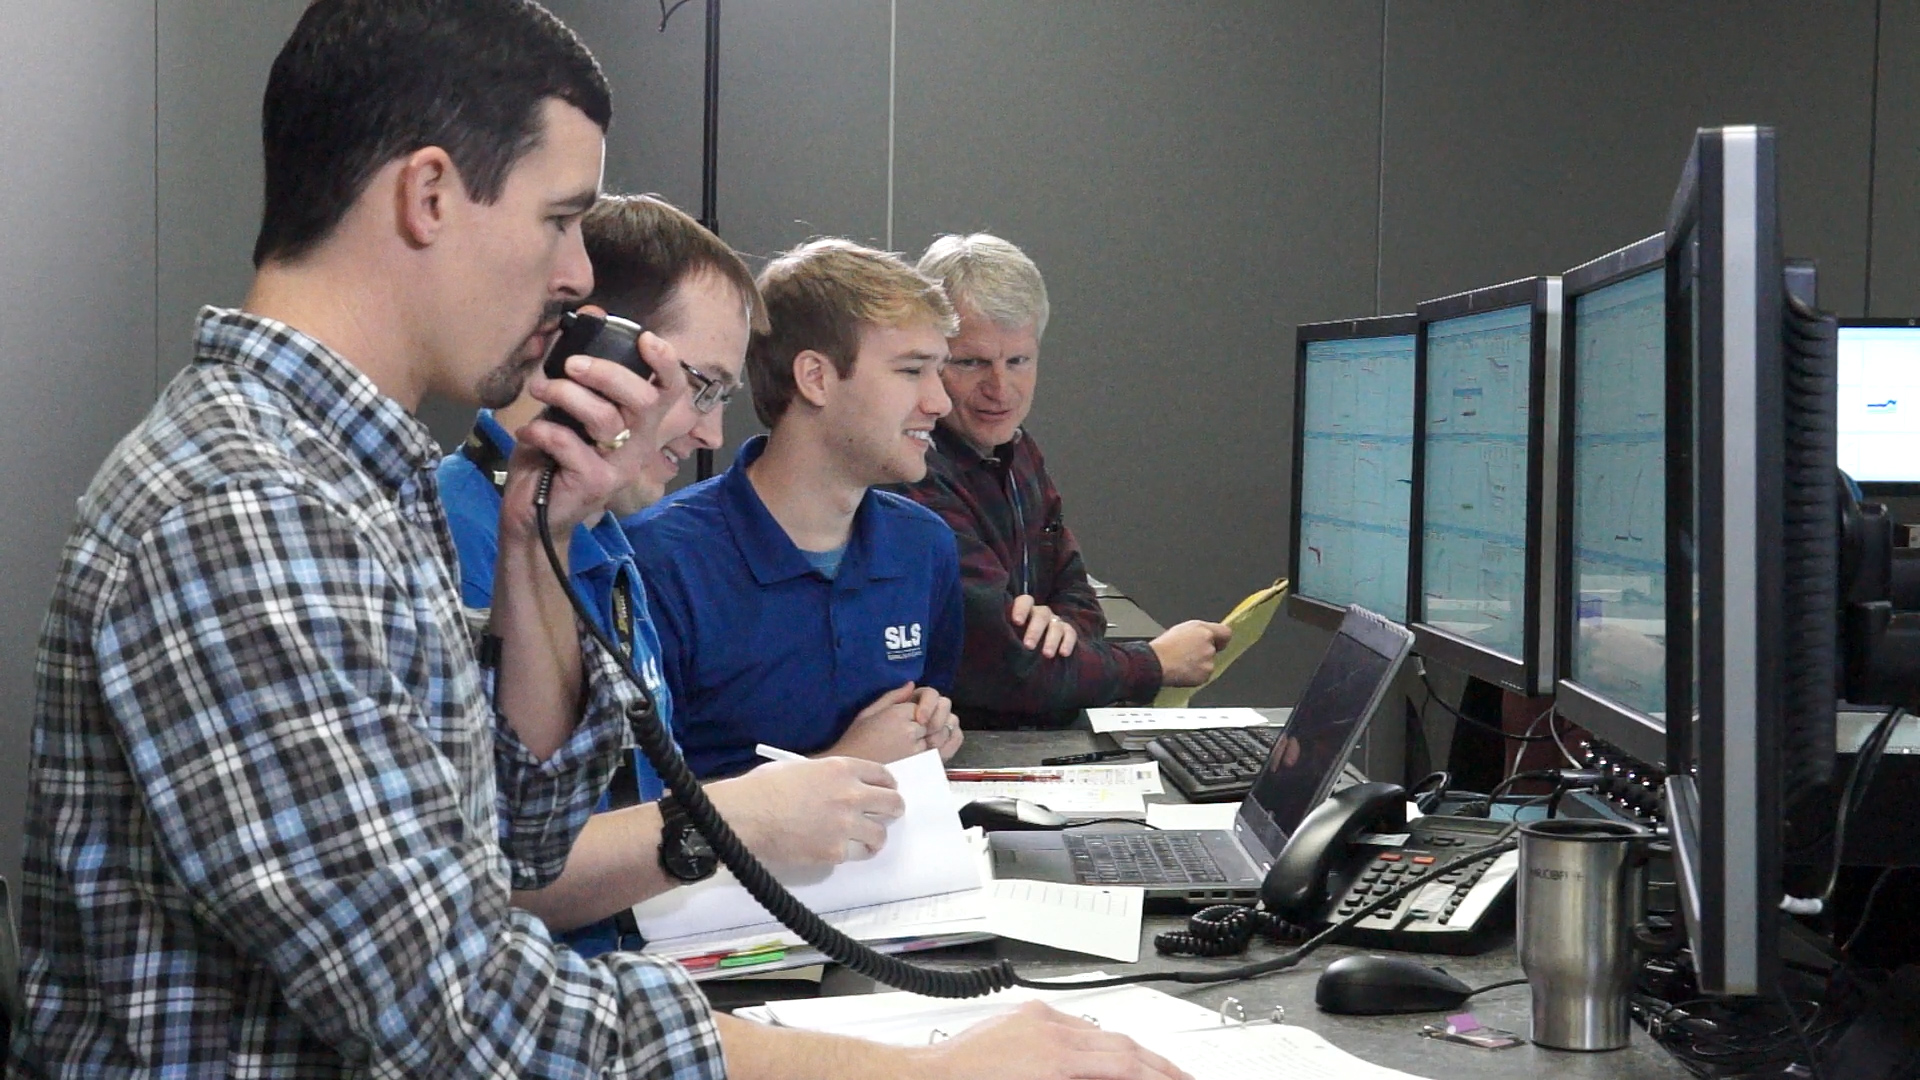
(214, 60)
(1194, 180)
(76, 304)
(1896, 212)
(1524, 138)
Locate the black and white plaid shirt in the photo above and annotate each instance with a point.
(273, 818)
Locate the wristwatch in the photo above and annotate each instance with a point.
(684, 853)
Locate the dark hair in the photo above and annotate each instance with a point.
(643, 247)
(362, 82)
(822, 296)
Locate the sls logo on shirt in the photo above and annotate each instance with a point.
(903, 642)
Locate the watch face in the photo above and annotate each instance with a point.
(687, 855)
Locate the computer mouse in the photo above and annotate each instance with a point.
(999, 813)
(1379, 985)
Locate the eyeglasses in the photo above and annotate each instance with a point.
(709, 393)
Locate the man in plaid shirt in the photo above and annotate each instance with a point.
(275, 813)
(1036, 651)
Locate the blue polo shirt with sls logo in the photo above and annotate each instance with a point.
(760, 646)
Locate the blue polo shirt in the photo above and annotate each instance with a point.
(759, 646)
(599, 559)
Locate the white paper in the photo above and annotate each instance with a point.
(1217, 815)
(1144, 719)
(1268, 1051)
(1073, 800)
(910, 1020)
(926, 854)
(1100, 920)
(925, 916)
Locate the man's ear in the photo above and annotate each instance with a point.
(813, 373)
(425, 186)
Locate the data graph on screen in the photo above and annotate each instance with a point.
(1880, 404)
(1473, 536)
(1356, 476)
(1619, 492)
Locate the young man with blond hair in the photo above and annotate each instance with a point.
(1036, 651)
(797, 605)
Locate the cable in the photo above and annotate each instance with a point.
(1793, 1021)
(1520, 750)
(1225, 930)
(1497, 986)
(1564, 752)
(1111, 821)
(1853, 794)
(1866, 909)
(1434, 695)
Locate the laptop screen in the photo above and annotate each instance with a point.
(1353, 675)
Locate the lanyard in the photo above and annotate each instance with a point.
(1019, 527)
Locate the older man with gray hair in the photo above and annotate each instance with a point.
(1035, 653)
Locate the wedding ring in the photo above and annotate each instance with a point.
(615, 443)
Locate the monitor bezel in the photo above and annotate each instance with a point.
(1885, 489)
(1326, 614)
(1724, 799)
(1626, 727)
(1531, 673)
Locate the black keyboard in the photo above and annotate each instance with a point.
(1131, 858)
(1216, 764)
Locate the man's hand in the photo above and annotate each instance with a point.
(1035, 1041)
(818, 812)
(934, 710)
(888, 729)
(1049, 633)
(621, 412)
(1186, 652)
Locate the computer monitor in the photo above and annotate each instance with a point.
(1352, 469)
(1880, 405)
(1613, 498)
(1752, 557)
(1483, 567)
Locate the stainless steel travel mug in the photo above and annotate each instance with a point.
(1580, 894)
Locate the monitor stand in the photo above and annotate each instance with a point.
(1477, 757)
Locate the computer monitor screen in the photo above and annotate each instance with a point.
(1880, 404)
(1618, 571)
(1354, 474)
(1486, 449)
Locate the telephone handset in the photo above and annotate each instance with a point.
(1296, 887)
(1358, 846)
(609, 337)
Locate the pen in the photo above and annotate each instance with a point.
(980, 775)
(1087, 758)
(774, 753)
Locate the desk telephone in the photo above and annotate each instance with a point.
(1358, 845)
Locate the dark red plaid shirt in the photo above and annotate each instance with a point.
(1005, 512)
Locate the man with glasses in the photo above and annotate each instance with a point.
(797, 606)
(658, 267)
(1036, 651)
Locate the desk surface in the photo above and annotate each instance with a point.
(1386, 1040)
(1128, 621)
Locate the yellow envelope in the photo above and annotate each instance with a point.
(1249, 620)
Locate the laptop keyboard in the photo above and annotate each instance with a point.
(1214, 764)
(1132, 858)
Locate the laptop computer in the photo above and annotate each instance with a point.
(1211, 866)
